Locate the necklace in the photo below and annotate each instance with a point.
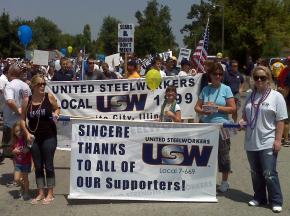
(253, 120)
(38, 115)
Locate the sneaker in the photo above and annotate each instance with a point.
(254, 203)
(277, 209)
(224, 186)
(12, 184)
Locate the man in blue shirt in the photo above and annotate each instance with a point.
(64, 74)
(234, 79)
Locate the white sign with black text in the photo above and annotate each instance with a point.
(126, 38)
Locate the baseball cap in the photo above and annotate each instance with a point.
(174, 58)
(184, 61)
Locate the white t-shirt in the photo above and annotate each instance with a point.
(3, 83)
(273, 109)
(162, 73)
(15, 90)
(183, 73)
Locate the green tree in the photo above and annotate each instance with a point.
(153, 33)
(46, 34)
(87, 40)
(107, 41)
(252, 27)
(10, 45)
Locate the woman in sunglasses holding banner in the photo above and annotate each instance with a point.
(41, 111)
(264, 114)
(215, 103)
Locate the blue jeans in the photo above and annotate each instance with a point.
(265, 176)
(43, 155)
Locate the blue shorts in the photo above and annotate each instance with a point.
(23, 168)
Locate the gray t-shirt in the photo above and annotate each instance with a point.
(15, 90)
(273, 109)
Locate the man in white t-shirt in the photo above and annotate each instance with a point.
(3, 83)
(15, 92)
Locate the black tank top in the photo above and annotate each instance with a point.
(41, 124)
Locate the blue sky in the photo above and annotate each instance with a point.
(72, 15)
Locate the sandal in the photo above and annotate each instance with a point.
(36, 200)
(47, 201)
(286, 143)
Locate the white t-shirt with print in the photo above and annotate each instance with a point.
(15, 90)
(273, 109)
(3, 83)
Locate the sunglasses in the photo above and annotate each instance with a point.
(41, 84)
(91, 62)
(262, 78)
(218, 74)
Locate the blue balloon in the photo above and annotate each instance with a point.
(63, 51)
(25, 34)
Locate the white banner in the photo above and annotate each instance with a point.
(123, 99)
(126, 38)
(143, 161)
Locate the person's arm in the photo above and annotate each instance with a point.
(12, 105)
(230, 106)
(55, 107)
(27, 134)
(278, 136)
(176, 117)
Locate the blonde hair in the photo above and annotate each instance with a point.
(35, 80)
(266, 70)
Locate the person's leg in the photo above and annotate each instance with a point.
(258, 180)
(224, 163)
(39, 173)
(268, 161)
(48, 148)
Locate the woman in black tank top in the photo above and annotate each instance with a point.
(37, 122)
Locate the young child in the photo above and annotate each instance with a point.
(170, 110)
(22, 159)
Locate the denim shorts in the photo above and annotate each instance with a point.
(23, 168)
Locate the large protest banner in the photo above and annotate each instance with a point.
(123, 99)
(143, 161)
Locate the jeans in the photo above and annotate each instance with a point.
(43, 154)
(265, 176)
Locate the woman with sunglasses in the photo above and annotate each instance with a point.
(215, 103)
(264, 114)
(41, 111)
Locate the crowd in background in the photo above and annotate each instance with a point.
(220, 96)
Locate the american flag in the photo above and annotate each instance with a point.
(200, 53)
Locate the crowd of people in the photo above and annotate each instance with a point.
(30, 114)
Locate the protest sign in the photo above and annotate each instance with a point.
(165, 55)
(126, 38)
(113, 60)
(40, 57)
(184, 53)
(143, 161)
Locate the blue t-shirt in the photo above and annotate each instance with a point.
(219, 97)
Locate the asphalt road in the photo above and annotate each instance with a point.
(233, 202)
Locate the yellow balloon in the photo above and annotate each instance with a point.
(69, 49)
(153, 79)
